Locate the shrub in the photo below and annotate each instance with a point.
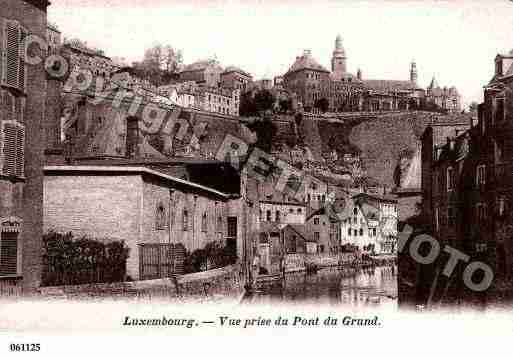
(214, 255)
(70, 261)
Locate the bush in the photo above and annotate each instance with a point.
(70, 261)
(214, 255)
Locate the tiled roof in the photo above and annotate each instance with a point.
(389, 85)
(306, 62)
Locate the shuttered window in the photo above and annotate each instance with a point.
(13, 66)
(12, 149)
(8, 253)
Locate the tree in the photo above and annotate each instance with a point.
(159, 64)
(255, 104)
(322, 104)
(285, 105)
(472, 108)
(264, 100)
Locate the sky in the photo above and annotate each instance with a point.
(456, 40)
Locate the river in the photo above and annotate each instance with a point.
(355, 288)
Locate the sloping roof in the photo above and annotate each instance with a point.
(389, 85)
(325, 210)
(381, 198)
(298, 228)
(200, 65)
(306, 62)
(126, 169)
(236, 69)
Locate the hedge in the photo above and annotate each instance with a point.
(69, 260)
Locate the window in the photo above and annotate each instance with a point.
(349, 231)
(12, 148)
(480, 175)
(355, 232)
(374, 232)
(293, 245)
(501, 206)
(9, 231)
(278, 216)
(185, 220)
(361, 231)
(160, 217)
(291, 210)
(317, 236)
(316, 221)
(219, 224)
(480, 212)
(499, 110)
(355, 211)
(204, 222)
(437, 219)
(450, 179)
(268, 215)
(451, 216)
(13, 66)
(299, 211)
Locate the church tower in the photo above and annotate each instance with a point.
(413, 72)
(338, 61)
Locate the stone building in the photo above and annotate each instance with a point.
(447, 99)
(282, 212)
(82, 56)
(22, 114)
(234, 78)
(310, 82)
(142, 207)
(323, 227)
(467, 183)
(206, 72)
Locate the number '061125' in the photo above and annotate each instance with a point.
(24, 347)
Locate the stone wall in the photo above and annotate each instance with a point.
(216, 284)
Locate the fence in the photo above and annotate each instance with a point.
(10, 288)
(160, 260)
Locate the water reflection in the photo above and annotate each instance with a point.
(376, 287)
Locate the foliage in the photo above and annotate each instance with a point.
(285, 105)
(255, 104)
(68, 260)
(265, 130)
(160, 64)
(214, 255)
(322, 104)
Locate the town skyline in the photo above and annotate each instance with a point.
(284, 37)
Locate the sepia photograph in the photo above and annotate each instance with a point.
(330, 169)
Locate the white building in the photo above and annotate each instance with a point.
(369, 222)
(282, 212)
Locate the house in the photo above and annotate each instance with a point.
(143, 207)
(282, 212)
(323, 225)
(369, 223)
(22, 117)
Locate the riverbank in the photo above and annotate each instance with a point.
(312, 262)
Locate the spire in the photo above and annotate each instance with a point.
(338, 43)
(338, 60)
(413, 72)
(359, 74)
(433, 83)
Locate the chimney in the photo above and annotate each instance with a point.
(132, 137)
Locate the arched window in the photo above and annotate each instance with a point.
(361, 231)
(160, 217)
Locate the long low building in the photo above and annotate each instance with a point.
(141, 206)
